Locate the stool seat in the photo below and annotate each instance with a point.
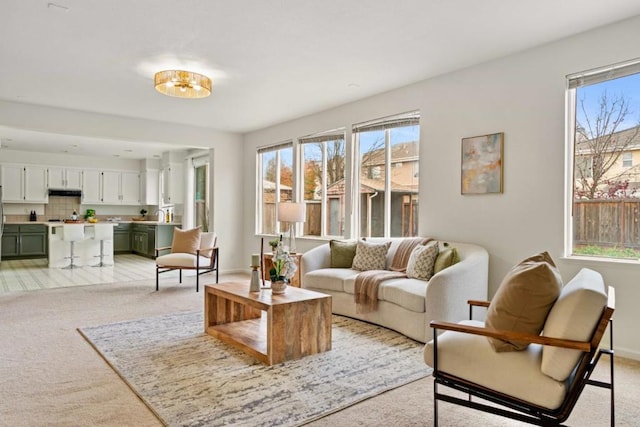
(72, 233)
(102, 232)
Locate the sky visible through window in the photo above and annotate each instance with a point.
(398, 135)
(628, 86)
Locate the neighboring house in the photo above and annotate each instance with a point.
(625, 169)
(373, 190)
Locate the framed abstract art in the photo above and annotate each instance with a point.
(482, 171)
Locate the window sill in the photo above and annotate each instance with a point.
(599, 260)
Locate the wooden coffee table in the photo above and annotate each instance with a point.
(271, 328)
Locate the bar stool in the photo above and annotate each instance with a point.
(102, 232)
(72, 233)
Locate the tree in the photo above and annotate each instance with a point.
(600, 142)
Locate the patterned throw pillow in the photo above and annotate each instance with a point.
(370, 256)
(422, 260)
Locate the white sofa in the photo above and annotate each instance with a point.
(405, 305)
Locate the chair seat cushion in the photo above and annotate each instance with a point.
(181, 260)
(515, 373)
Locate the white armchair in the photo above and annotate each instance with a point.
(191, 250)
(540, 384)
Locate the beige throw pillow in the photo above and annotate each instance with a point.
(422, 261)
(524, 299)
(186, 241)
(370, 256)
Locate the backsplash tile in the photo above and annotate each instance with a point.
(61, 207)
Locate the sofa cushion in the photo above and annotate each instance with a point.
(182, 260)
(407, 293)
(515, 373)
(370, 256)
(342, 253)
(573, 316)
(447, 257)
(186, 241)
(422, 260)
(330, 279)
(524, 299)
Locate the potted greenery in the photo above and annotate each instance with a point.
(143, 212)
(274, 244)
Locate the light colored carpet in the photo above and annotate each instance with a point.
(51, 376)
(189, 378)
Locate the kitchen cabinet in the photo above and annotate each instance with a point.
(64, 178)
(91, 183)
(146, 237)
(172, 184)
(24, 184)
(24, 241)
(122, 238)
(150, 187)
(120, 188)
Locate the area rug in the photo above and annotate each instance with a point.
(188, 378)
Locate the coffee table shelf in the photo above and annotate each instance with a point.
(271, 328)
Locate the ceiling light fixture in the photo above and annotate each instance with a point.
(182, 84)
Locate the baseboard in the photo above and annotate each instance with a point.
(627, 353)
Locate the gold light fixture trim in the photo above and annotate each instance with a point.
(182, 84)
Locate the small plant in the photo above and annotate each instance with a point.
(274, 243)
(143, 212)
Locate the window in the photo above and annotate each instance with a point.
(323, 157)
(275, 184)
(603, 108)
(201, 193)
(388, 157)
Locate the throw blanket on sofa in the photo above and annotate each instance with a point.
(368, 282)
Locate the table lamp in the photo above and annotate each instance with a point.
(291, 213)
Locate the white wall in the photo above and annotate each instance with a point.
(522, 95)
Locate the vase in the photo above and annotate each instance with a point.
(278, 287)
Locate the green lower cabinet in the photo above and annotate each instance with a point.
(122, 238)
(24, 241)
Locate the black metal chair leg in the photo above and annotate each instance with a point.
(157, 277)
(180, 279)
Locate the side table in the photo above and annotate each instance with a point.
(268, 263)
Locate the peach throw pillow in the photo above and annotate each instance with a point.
(186, 241)
(524, 300)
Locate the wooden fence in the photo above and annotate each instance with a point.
(613, 222)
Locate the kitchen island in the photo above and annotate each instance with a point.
(87, 251)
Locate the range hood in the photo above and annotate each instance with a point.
(66, 193)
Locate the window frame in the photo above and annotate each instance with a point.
(573, 82)
(277, 148)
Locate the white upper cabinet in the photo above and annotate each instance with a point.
(91, 185)
(120, 188)
(171, 184)
(150, 187)
(64, 178)
(24, 184)
(130, 188)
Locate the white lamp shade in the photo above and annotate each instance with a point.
(291, 212)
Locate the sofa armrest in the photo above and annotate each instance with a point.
(315, 259)
(449, 290)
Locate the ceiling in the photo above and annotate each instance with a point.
(270, 61)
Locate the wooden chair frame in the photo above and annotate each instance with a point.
(213, 266)
(518, 409)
